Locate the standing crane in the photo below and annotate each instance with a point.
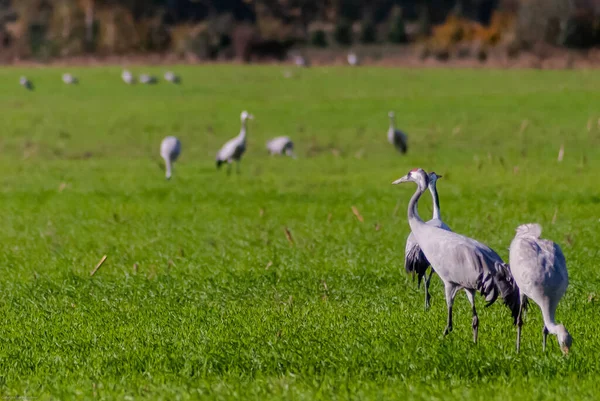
(26, 83)
(540, 271)
(127, 77)
(281, 145)
(461, 262)
(395, 136)
(147, 79)
(235, 147)
(170, 76)
(414, 259)
(170, 148)
(353, 59)
(69, 79)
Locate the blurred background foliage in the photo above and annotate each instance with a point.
(248, 29)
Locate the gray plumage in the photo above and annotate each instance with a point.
(415, 261)
(540, 271)
(127, 77)
(395, 136)
(69, 79)
(170, 76)
(281, 145)
(301, 61)
(26, 83)
(235, 147)
(147, 79)
(170, 149)
(459, 261)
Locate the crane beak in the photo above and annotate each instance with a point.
(565, 350)
(250, 116)
(400, 180)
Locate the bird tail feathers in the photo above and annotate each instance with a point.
(415, 262)
(508, 289)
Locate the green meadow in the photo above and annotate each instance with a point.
(204, 296)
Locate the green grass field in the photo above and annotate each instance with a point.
(221, 306)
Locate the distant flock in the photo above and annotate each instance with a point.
(537, 268)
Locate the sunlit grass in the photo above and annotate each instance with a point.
(220, 304)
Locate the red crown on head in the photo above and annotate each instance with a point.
(414, 170)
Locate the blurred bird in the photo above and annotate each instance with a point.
(147, 79)
(301, 61)
(170, 148)
(353, 59)
(540, 271)
(395, 136)
(25, 83)
(69, 79)
(234, 148)
(281, 145)
(461, 262)
(170, 76)
(127, 77)
(414, 259)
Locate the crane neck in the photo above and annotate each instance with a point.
(549, 321)
(413, 212)
(168, 167)
(243, 130)
(436, 202)
(392, 123)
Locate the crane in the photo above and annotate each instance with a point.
(414, 259)
(461, 262)
(147, 79)
(26, 83)
(281, 145)
(127, 77)
(69, 79)
(395, 136)
(235, 147)
(540, 271)
(170, 76)
(170, 148)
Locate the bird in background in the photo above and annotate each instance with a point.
(170, 76)
(26, 83)
(69, 79)
(414, 260)
(147, 79)
(170, 148)
(235, 147)
(395, 136)
(540, 271)
(459, 261)
(127, 77)
(281, 145)
(301, 61)
(352, 59)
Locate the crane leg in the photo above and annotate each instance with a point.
(228, 168)
(237, 167)
(427, 296)
(520, 321)
(545, 334)
(475, 322)
(450, 294)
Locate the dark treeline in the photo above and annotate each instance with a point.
(209, 29)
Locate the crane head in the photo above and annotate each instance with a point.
(391, 114)
(416, 175)
(564, 339)
(246, 116)
(433, 177)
